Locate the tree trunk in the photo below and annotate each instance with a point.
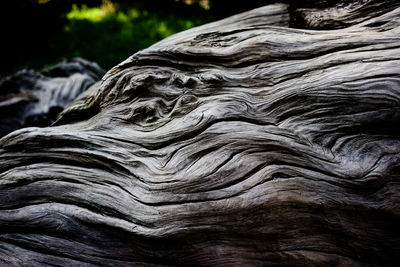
(240, 142)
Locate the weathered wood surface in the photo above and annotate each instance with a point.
(242, 142)
(29, 98)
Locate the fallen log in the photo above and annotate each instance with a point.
(240, 142)
(30, 98)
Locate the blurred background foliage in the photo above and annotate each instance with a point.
(39, 33)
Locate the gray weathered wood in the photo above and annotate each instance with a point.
(29, 98)
(241, 142)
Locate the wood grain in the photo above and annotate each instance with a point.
(30, 98)
(239, 143)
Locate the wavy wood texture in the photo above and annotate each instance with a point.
(241, 142)
(30, 98)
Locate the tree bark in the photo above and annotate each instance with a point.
(241, 142)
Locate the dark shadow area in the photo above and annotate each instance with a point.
(40, 33)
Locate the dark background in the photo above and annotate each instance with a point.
(40, 33)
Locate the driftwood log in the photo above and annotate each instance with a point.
(29, 98)
(240, 142)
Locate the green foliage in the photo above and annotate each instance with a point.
(108, 34)
(94, 14)
(51, 31)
